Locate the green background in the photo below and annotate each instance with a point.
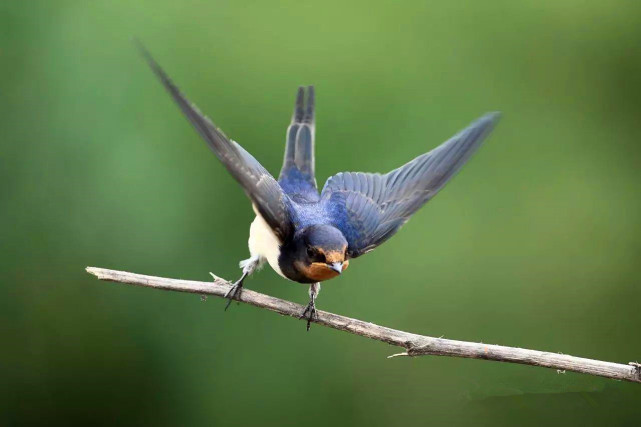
(534, 244)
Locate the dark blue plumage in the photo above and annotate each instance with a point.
(369, 207)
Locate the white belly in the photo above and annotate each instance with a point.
(264, 243)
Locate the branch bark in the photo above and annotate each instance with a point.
(414, 345)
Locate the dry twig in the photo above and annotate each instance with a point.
(414, 345)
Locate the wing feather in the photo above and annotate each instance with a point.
(369, 208)
(263, 190)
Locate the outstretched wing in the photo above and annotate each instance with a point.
(369, 208)
(297, 175)
(263, 190)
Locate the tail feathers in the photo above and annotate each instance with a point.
(299, 150)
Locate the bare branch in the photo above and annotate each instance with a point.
(414, 345)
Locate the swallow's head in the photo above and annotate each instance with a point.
(321, 253)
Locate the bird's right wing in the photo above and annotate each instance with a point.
(263, 190)
(369, 208)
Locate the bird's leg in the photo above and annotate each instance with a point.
(249, 266)
(310, 311)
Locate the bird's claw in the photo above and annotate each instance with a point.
(233, 293)
(309, 313)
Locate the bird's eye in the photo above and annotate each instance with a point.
(315, 255)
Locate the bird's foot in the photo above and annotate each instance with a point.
(309, 313)
(233, 293)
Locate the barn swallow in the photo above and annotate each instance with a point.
(309, 237)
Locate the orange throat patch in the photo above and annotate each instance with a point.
(320, 271)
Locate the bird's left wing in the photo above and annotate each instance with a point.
(263, 190)
(369, 208)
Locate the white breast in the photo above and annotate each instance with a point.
(264, 243)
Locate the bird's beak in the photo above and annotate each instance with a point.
(336, 266)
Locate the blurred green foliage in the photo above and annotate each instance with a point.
(535, 244)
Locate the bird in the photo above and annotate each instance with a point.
(307, 236)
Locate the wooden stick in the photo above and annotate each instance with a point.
(414, 345)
